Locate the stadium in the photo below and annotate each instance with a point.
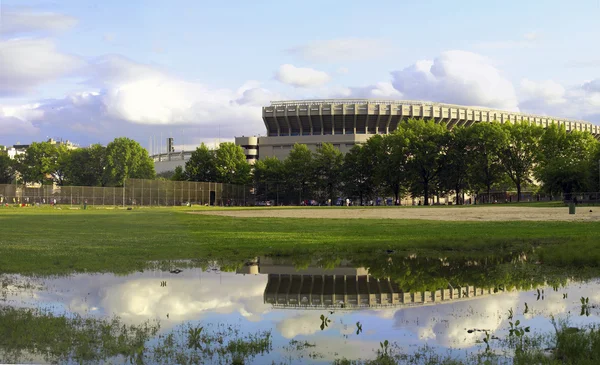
(347, 122)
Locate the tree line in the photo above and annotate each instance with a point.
(420, 159)
(423, 158)
(96, 165)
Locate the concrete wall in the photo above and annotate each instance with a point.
(280, 146)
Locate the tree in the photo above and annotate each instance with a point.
(299, 172)
(201, 165)
(485, 169)
(358, 173)
(455, 162)
(7, 171)
(521, 153)
(425, 139)
(40, 163)
(179, 174)
(564, 160)
(85, 166)
(328, 170)
(127, 159)
(231, 164)
(268, 177)
(391, 154)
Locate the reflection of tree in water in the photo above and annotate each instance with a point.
(426, 273)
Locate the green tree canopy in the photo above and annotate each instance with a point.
(564, 160)
(358, 173)
(299, 172)
(268, 175)
(127, 159)
(201, 165)
(231, 164)
(43, 162)
(179, 174)
(85, 166)
(521, 153)
(328, 171)
(426, 145)
(485, 169)
(7, 169)
(391, 158)
(454, 163)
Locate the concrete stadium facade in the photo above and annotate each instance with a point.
(347, 122)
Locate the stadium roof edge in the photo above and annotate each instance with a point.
(412, 102)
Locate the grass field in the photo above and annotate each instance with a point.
(50, 241)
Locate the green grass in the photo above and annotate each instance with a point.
(49, 241)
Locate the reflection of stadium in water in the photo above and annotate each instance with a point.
(345, 287)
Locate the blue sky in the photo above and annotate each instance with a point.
(90, 71)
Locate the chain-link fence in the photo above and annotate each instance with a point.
(138, 192)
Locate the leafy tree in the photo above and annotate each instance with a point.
(485, 169)
(127, 159)
(43, 162)
(85, 166)
(564, 161)
(299, 172)
(201, 165)
(328, 170)
(425, 140)
(358, 173)
(521, 153)
(7, 170)
(268, 176)
(179, 174)
(231, 164)
(455, 162)
(391, 161)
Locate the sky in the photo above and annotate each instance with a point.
(200, 71)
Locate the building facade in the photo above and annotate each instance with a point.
(347, 122)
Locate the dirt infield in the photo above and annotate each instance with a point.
(480, 213)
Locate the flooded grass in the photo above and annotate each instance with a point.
(59, 242)
(196, 325)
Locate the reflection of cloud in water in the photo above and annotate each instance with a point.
(303, 324)
(183, 298)
(447, 324)
(139, 297)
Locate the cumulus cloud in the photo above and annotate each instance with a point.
(301, 76)
(138, 100)
(380, 90)
(550, 91)
(458, 77)
(15, 22)
(342, 50)
(304, 324)
(551, 98)
(28, 63)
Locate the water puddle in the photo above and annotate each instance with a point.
(271, 310)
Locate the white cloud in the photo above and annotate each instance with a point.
(457, 77)
(137, 100)
(24, 21)
(380, 90)
(342, 50)
(343, 70)
(301, 76)
(551, 98)
(28, 63)
(550, 91)
(304, 324)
